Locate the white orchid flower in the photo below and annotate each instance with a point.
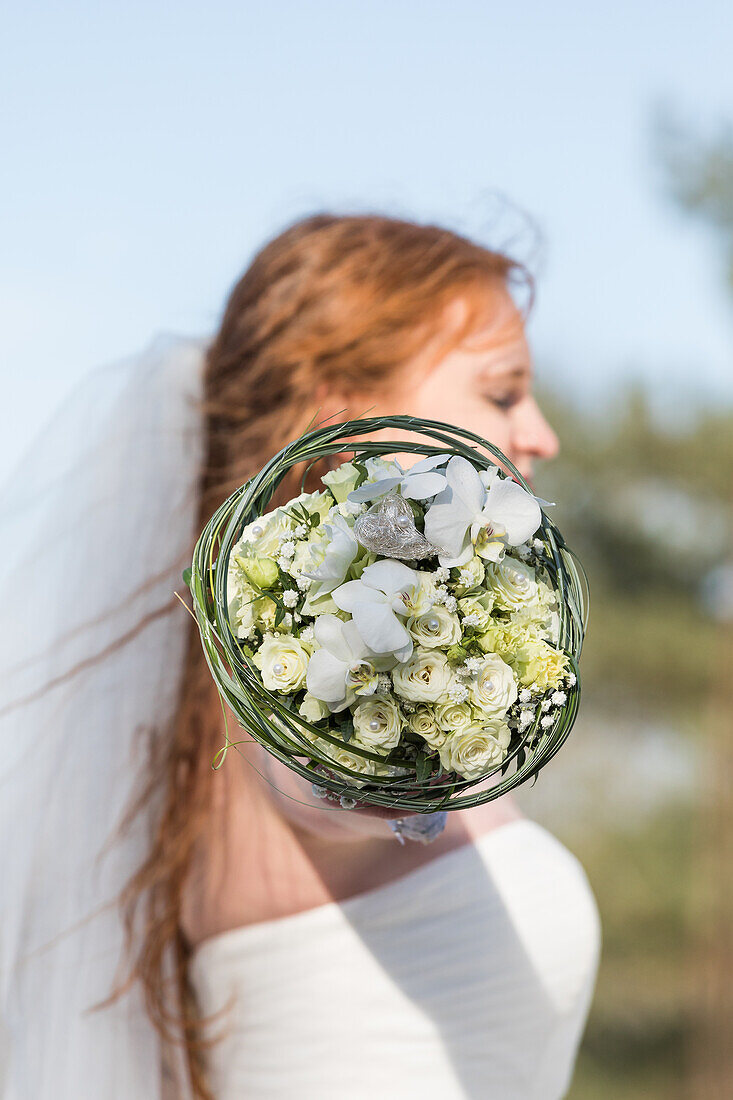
(344, 666)
(418, 483)
(386, 593)
(341, 550)
(480, 510)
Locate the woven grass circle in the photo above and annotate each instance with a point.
(422, 785)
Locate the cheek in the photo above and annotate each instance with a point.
(455, 400)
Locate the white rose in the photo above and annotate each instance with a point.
(454, 717)
(283, 662)
(475, 751)
(263, 534)
(306, 555)
(493, 687)
(341, 480)
(423, 722)
(424, 678)
(378, 722)
(436, 627)
(342, 758)
(513, 583)
(312, 709)
(316, 504)
(541, 614)
(477, 608)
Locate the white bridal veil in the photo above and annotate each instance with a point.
(95, 528)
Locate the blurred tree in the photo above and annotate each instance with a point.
(699, 176)
(646, 504)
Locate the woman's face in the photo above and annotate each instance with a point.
(484, 384)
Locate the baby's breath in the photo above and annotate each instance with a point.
(457, 692)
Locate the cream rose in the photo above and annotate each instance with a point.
(283, 661)
(513, 584)
(454, 717)
(306, 556)
(316, 504)
(342, 758)
(423, 722)
(475, 751)
(312, 709)
(493, 687)
(263, 535)
(477, 609)
(378, 722)
(424, 678)
(435, 628)
(341, 480)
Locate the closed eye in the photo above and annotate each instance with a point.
(503, 402)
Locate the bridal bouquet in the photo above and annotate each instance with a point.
(399, 635)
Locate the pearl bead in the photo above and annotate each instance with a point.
(257, 529)
(375, 724)
(433, 624)
(403, 521)
(278, 669)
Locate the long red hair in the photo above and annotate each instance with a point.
(340, 303)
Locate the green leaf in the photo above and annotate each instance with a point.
(187, 577)
(363, 472)
(346, 731)
(422, 766)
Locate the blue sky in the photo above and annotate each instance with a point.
(149, 148)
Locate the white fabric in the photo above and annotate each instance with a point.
(104, 501)
(469, 977)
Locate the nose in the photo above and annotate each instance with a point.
(533, 436)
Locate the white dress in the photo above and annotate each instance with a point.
(470, 976)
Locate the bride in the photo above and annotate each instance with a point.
(167, 930)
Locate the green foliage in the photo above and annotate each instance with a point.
(650, 655)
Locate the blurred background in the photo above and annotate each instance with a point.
(151, 148)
